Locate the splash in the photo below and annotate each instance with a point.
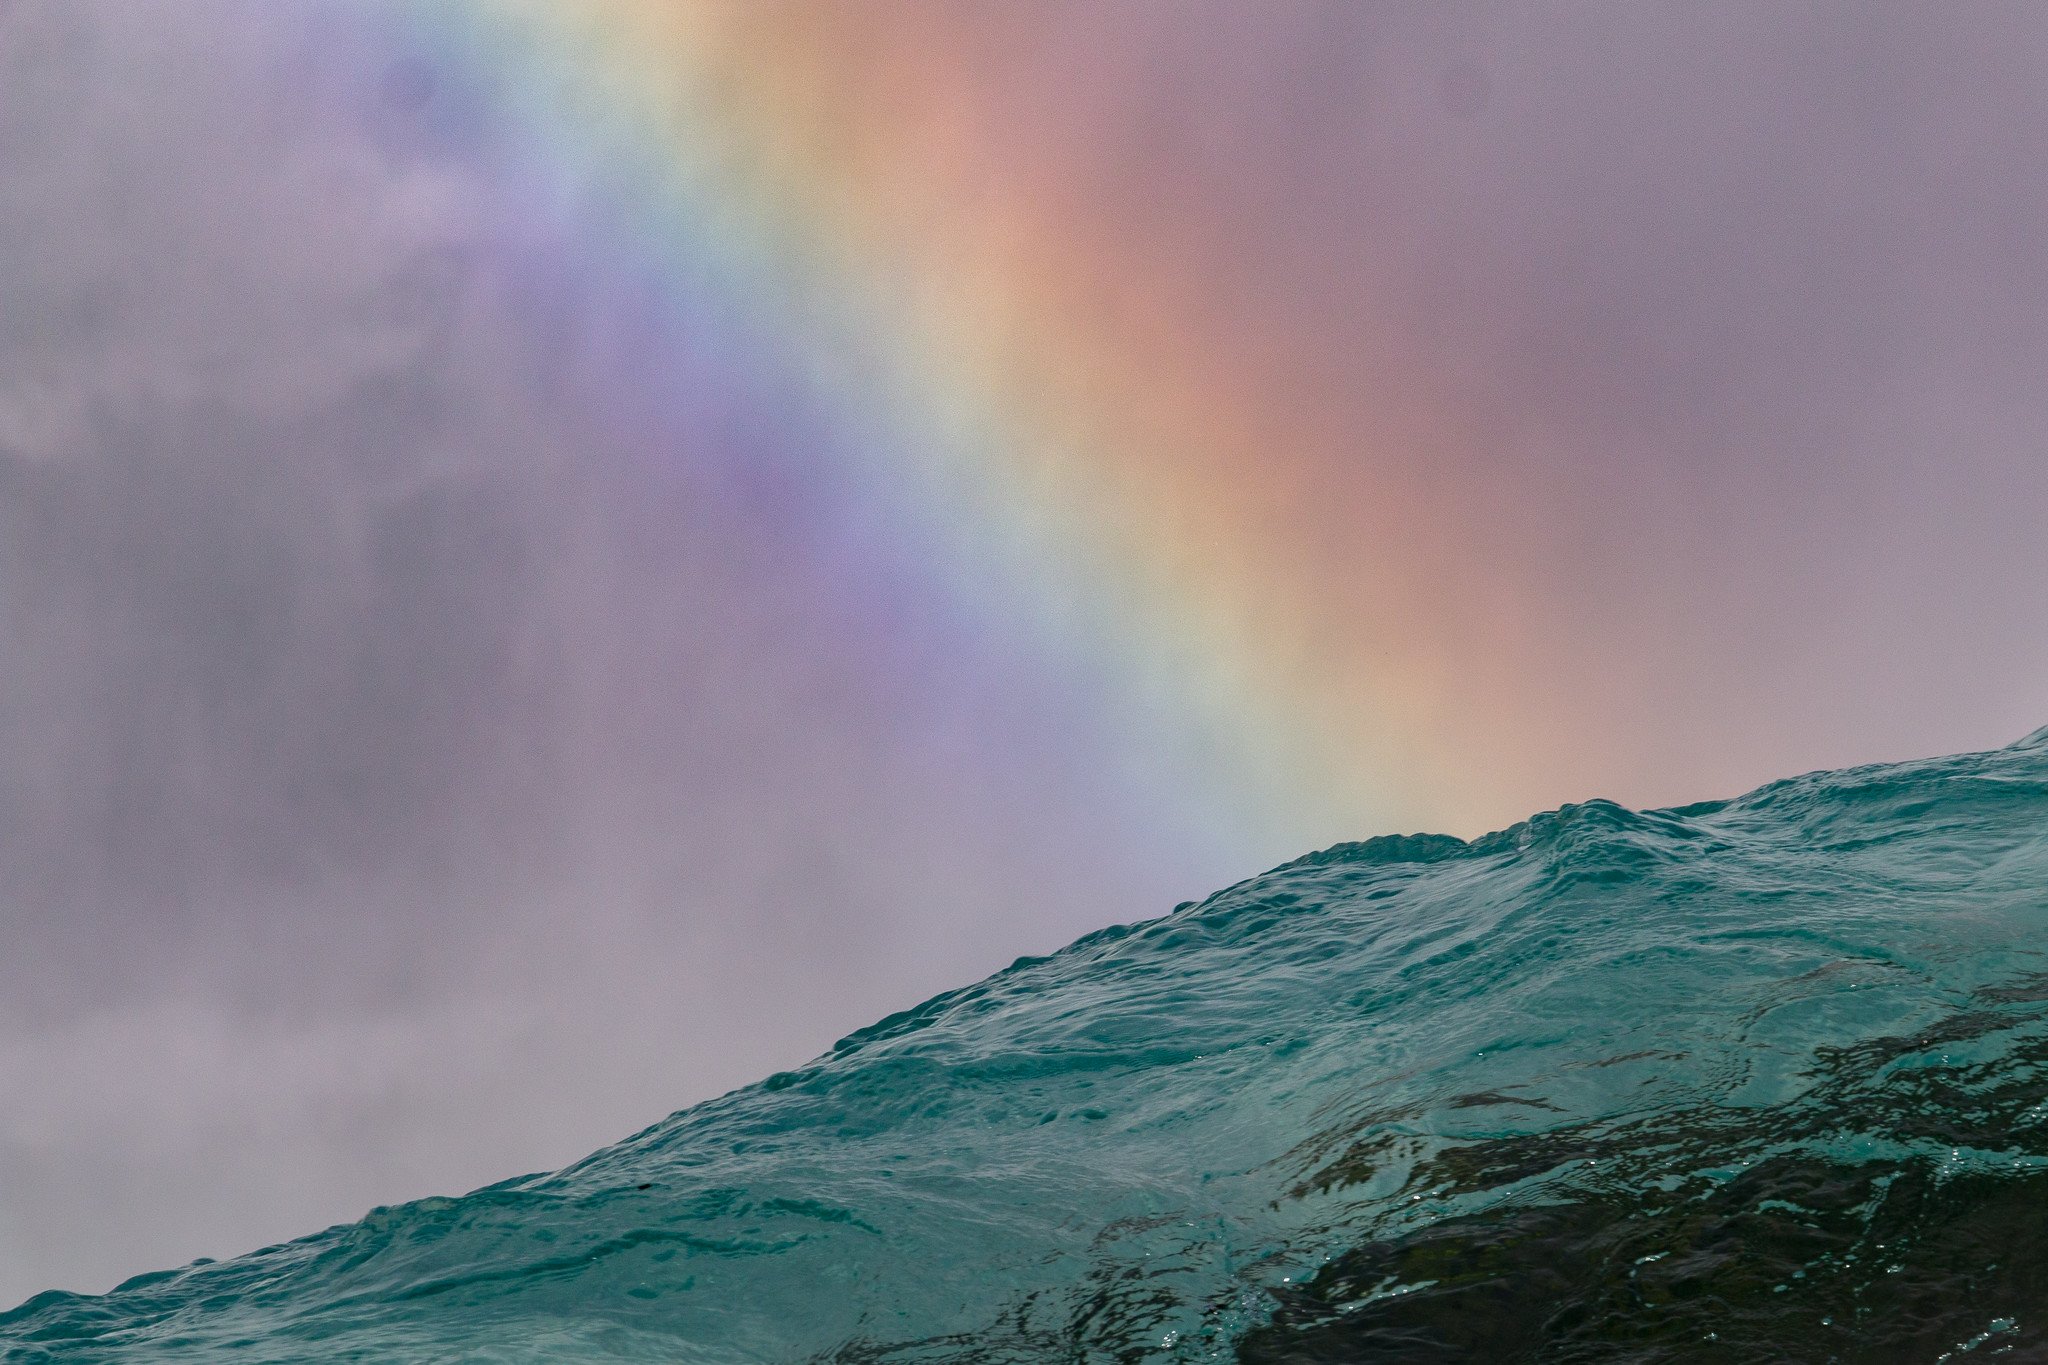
(1765, 1078)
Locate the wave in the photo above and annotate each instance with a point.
(1756, 1079)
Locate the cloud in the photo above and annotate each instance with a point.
(198, 237)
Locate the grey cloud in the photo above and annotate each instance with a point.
(187, 271)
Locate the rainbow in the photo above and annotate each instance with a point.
(1053, 426)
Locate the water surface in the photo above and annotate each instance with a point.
(1748, 1080)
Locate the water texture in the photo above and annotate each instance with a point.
(1764, 1079)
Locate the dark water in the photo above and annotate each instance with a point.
(1744, 1081)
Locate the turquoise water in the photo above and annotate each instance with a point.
(1748, 1080)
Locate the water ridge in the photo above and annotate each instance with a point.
(1764, 1078)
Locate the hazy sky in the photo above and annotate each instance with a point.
(468, 690)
